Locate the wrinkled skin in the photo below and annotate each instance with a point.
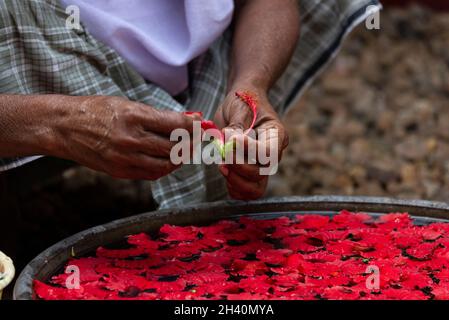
(122, 138)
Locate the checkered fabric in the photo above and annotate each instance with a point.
(39, 55)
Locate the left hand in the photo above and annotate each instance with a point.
(244, 181)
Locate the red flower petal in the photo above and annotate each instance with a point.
(312, 257)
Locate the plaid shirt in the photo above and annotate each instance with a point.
(40, 55)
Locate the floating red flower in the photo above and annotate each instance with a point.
(308, 257)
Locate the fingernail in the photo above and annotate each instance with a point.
(194, 115)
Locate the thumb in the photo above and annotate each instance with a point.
(235, 127)
(240, 117)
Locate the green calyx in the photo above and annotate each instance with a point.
(224, 148)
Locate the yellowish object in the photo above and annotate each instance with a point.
(7, 272)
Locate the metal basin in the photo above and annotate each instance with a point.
(53, 259)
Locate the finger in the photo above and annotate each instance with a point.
(272, 138)
(148, 143)
(248, 190)
(164, 122)
(255, 159)
(244, 159)
(152, 166)
(238, 114)
(267, 150)
(246, 151)
(157, 146)
(247, 171)
(245, 148)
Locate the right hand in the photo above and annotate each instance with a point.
(124, 139)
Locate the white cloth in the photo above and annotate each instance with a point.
(157, 37)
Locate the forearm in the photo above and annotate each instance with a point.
(26, 124)
(265, 35)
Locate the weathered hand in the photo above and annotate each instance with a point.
(245, 181)
(125, 139)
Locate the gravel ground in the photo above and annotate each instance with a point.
(376, 122)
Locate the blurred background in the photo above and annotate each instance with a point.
(375, 123)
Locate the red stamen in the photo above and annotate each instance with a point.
(251, 101)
